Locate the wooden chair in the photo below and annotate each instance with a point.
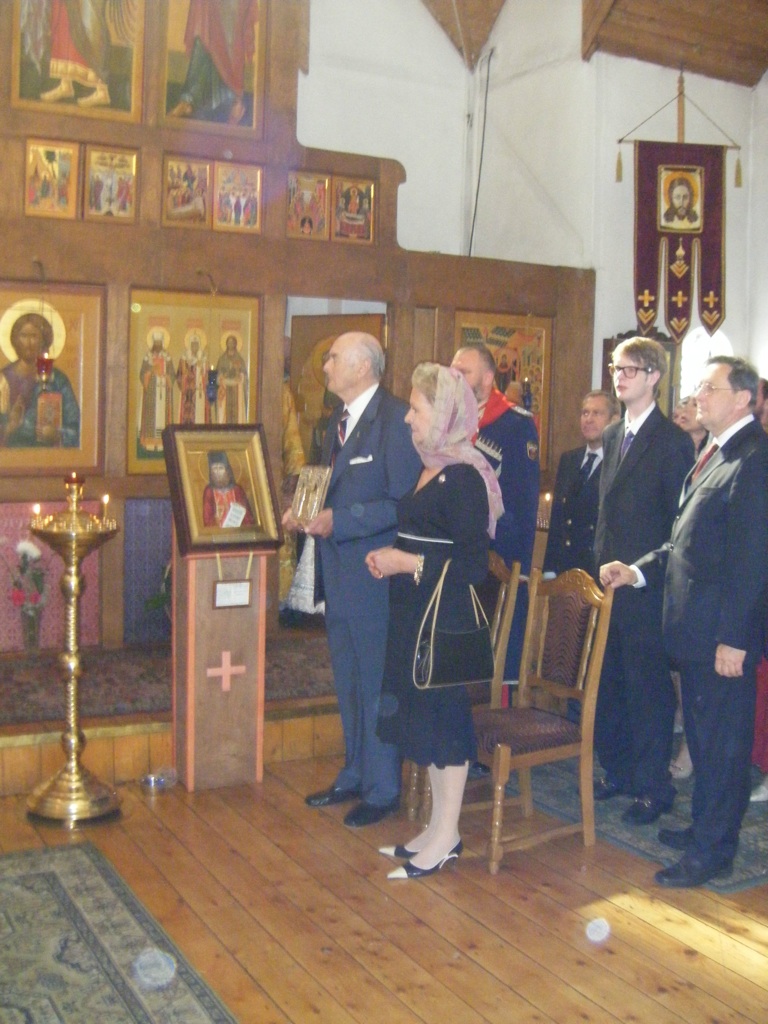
(565, 636)
(417, 798)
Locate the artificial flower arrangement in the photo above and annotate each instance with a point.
(28, 578)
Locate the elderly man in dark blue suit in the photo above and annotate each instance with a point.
(374, 464)
(715, 572)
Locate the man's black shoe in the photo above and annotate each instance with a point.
(330, 796)
(644, 810)
(369, 814)
(605, 789)
(690, 871)
(478, 770)
(676, 838)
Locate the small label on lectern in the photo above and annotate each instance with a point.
(232, 594)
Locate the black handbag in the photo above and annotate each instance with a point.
(445, 657)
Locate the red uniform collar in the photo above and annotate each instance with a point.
(496, 406)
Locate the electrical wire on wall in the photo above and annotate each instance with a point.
(482, 149)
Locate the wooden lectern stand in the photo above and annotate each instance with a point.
(218, 669)
(226, 522)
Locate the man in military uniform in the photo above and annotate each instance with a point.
(571, 540)
(508, 438)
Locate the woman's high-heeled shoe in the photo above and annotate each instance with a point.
(410, 870)
(403, 853)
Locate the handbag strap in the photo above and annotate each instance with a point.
(433, 607)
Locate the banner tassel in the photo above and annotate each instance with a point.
(619, 168)
(737, 181)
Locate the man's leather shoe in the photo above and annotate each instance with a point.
(691, 871)
(330, 796)
(644, 810)
(369, 814)
(478, 770)
(605, 789)
(676, 838)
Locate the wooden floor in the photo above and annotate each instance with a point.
(290, 917)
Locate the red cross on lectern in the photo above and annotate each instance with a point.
(226, 671)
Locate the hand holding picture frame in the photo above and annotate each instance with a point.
(311, 489)
(222, 492)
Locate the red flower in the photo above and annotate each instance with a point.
(34, 597)
(18, 598)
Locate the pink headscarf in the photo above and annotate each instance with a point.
(454, 422)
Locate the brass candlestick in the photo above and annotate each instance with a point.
(73, 794)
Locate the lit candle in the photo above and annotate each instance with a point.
(35, 510)
(104, 503)
(73, 478)
(44, 365)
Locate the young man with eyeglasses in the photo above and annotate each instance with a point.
(646, 459)
(714, 571)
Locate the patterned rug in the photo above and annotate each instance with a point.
(555, 791)
(77, 947)
(135, 680)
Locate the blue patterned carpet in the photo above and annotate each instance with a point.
(555, 791)
(77, 947)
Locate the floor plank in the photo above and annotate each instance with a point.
(290, 917)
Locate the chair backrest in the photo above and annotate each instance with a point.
(509, 580)
(565, 637)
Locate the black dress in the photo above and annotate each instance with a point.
(434, 726)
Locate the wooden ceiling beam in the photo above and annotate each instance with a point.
(594, 14)
(662, 43)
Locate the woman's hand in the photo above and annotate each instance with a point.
(385, 562)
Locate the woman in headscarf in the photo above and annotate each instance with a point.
(449, 515)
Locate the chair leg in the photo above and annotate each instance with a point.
(412, 792)
(425, 798)
(500, 774)
(526, 793)
(586, 790)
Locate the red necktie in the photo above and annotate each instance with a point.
(703, 460)
(342, 430)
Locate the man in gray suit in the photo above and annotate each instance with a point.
(374, 464)
(714, 570)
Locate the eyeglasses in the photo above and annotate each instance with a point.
(705, 388)
(630, 371)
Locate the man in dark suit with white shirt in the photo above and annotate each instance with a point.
(571, 538)
(646, 460)
(714, 570)
(369, 445)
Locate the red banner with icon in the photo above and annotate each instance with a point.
(679, 234)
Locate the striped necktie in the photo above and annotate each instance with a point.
(342, 428)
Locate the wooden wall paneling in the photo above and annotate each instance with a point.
(421, 290)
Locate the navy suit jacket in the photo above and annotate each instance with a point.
(377, 465)
(571, 539)
(715, 565)
(639, 497)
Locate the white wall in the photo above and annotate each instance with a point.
(385, 80)
(757, 237)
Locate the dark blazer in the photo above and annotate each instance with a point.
(571, 539)
(376, 467)
(639, 494)
(715, 564)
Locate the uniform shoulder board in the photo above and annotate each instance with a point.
(521, 411)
